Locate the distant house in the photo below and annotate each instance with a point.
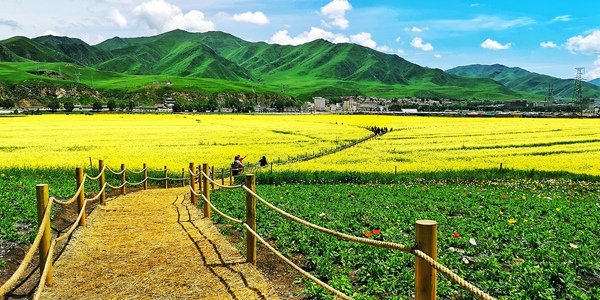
(169, 102)
(410, 110)
(516, 103)
(320, 103)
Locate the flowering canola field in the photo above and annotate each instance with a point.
(164, 140)
(414, 144)
(436, 144)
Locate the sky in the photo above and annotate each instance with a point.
(546, 37)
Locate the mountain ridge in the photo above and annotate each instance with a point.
(522, 80)
(316, 68)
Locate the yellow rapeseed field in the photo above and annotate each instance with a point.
(414, 144)
(164, 140)
(436, 143)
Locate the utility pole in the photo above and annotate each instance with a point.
(549, 95)
(577, 93)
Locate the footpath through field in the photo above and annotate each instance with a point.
(153, 244)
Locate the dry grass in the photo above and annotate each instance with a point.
(153, 245)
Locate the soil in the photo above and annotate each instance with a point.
(284, 278)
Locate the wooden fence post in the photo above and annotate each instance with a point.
(41, 191)
(166, 178)
(222, 176)
(425, 274)
(212, 177)
(123, 189)
(193, 184)
(206, 190)
(182, 177)
(145, 177)
(102, 182)
(199, 175)
(81, 196)
(251, 220)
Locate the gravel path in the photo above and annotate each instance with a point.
(153, 244)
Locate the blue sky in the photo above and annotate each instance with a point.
(547, 37)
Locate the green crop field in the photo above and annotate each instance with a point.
(513, 238)
(526, 231)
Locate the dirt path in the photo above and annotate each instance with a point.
(153, 245)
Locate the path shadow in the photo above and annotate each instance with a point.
(186, 217)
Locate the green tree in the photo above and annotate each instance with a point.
(177, 107)
(69, 106)
(54, 105)
(111, 104)
(8, 103)
(279, 105)
(97, 106)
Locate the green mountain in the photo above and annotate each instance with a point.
(595, 81)
(78, 50)
(20, 49)
(524, 81)
(318, 68)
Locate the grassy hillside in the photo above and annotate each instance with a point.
(76, 49)
(318, 68)
(525, 81)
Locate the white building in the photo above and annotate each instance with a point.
(320, 103)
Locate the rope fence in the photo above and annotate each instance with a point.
(43, 242)
(200, 182)
(425, 250)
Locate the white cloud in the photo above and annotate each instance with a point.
(418, 43)
(493, 45)
(255, 18)
(475, 4)
(398, 40)
(384, 48)
(160, 16)
(548, 44)
(10, 23)
(51, 32)
(416, 29)
(282, 37)
(595, 73)
(115, 16)
(336, 10)
(363, 39)
(437, 55)
(587, 45)
(496, 23)
(563, 18)
(400, 51)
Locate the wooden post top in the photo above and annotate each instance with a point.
(426, 222)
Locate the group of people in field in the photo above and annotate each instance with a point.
(237, 166)
(379, 130)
